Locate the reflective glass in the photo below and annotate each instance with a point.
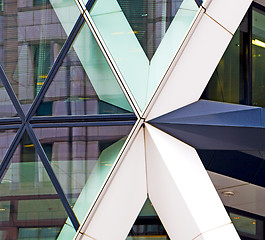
(31, 36)
(82, 158)
(84, 84)
(135, 30)
(30, 206)
(7, 109)
(224, 85)
(149, 20)
(258, 58)
(147, 225)
(247, 225)
(6, 137)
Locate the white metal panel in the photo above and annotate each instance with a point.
(85, 237)
(124, 197)
(228, 13)
(190, 74)
(226, 232)
(220, 181)
(249, 198)
(180, 188)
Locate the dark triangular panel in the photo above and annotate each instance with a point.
(31, 206)
(147, 225)
(241, 165)
(214, 125)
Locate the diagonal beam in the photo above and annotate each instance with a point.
(11, 94)
(52, 176)
(67, 45)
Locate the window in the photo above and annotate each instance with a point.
(240, 75)
(40, 2)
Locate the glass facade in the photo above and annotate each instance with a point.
(147, 225)
(65, 108)
(63, 119)
(239, 76)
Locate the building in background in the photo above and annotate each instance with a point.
(111, 111)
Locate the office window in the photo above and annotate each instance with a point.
(40, 2)
(239, 76)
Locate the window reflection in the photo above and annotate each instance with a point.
(150, 20)
(31, 36)
(239, 76)
(27, 197)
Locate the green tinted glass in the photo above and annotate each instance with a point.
(84, 84)
(143, 37)
(33, 205)
(147, 225)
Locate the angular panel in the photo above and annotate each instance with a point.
(84, 84)
(31, 206)
(216, 126)
(176, 183)
(233, 14)
(147, 225)
(31, 40)
(82, 158)
(189, 74)
(123, 198)
(143, 24)
(171, 43)
(242, 165)
(123, 46)
(224, 232)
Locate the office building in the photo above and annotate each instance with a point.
(132, 119)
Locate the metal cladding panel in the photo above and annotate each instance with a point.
(216, 126)
(123, 199)
(176, 178)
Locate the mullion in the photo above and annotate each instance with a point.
(198, 2)
(11, 94)
(82, 124)
(54, 180)
(84, 118)
(66, 47)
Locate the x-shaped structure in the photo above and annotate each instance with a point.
(152, 163)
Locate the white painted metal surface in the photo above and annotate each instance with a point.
(124, 198)
(192, 71)
(180, 188)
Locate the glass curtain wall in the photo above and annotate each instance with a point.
(239, 76)
(63, 119)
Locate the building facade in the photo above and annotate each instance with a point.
(132, 119)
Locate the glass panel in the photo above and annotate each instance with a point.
(31, 36)
(7, 109)
(149, 20)
(224, 85)
(248, 227)
(148, 226)
(84, 84)
(134, 32)
(81, 158)
(6, 137)
(258, 58)
(32, 208)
